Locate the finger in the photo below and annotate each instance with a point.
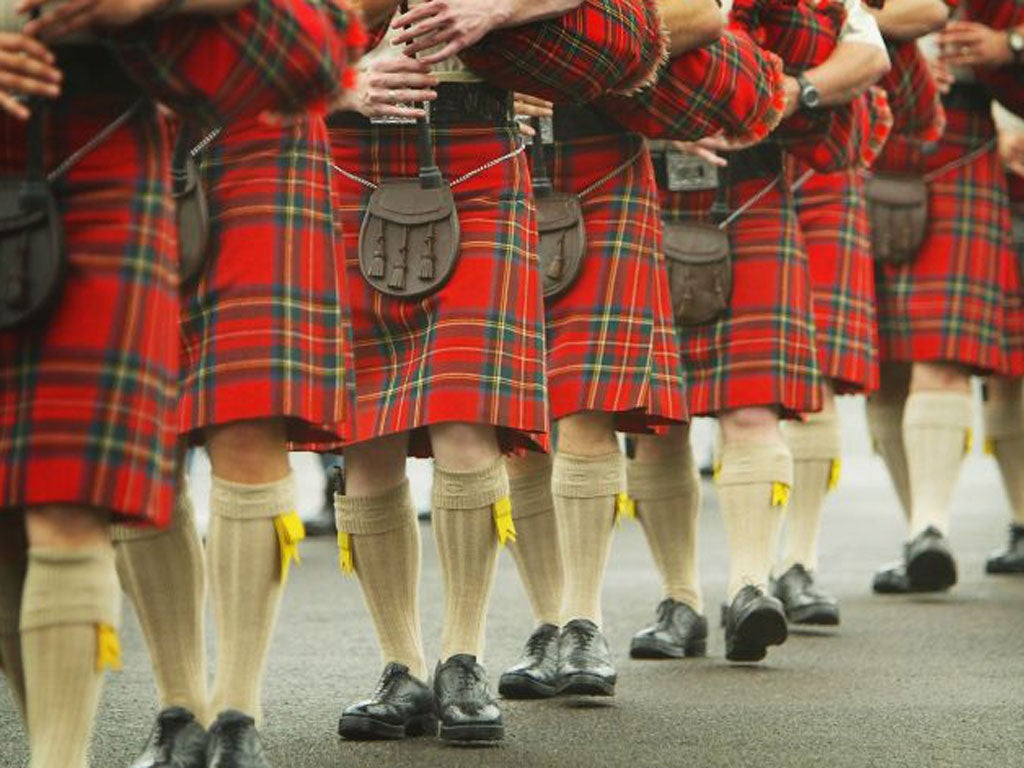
(393, 110)
(431, 41)
(426, 27)
(404, 81)
(23, 43)
(13, 107)
(419, 13)
(711, 157)
(527, 130)
(398, 95)
(62, 20)
(21, 64)
(460, 43)
(27, 86)
(535, 100)
(401, 64)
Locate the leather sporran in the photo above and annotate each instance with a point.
(193, 217)
(699, 261)
(562, 241)
(33, 262)
(409, 239)
(898, 209)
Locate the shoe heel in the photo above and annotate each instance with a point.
(697, 648)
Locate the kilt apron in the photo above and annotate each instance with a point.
(474, 351)
(266, 332)
(762, 351)
(610, 337)
(88, 401)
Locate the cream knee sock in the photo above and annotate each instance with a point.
(70, 614)
(382, 540)
(470, 511)
(536, 549)
(164, 576)
(885, 423)
(667, 495)
(936, 427)
(1004, 439)
(816, 447)
(585, 490)
(13, 565)
(753, 489)
(252, 530)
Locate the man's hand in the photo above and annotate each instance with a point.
(942, 75)
(970, 44)
(1011, 149)
(530, 106)
(390, 87)
(711, 148)
(454, 25)
(791, 89)
(63, 19)
(27, 69)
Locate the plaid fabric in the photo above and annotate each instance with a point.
(266, 332)
(474, 351)
(1006, 83)
(761, 353)
(913, 95)
(279, 55)
(804, 33)
(87, 402)
(609, 337)
(833, 219)
(602, 46)
(1015, 298)
(947, 305)
(732, 85)
(855, 136)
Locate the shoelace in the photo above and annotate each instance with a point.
(582, 635)
(385, 683)
(538, 642)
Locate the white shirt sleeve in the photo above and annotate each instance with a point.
(861, 26)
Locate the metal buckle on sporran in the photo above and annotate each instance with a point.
(688, 173)
(33, 261)
(898, 210)
(193, 213)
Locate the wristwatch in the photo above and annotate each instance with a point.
(810, 96)
(1016, 41)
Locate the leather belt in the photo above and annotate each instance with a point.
(583, 122)
(93, 70)
(762, 161)
(457, 104)
(968, 97)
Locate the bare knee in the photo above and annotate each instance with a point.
(249, 451)
(939, 377)
(376, 465)
(63, 527)
(1003, 389)
(461, 447)
(588, 433)
(749, 425)
(656, 448)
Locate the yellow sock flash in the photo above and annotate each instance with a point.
(108, 648)
(290, 531)
(990, 446)
(968, 442)
(834, 474)
(346, 561)
(503, 521)
(780, 494)
(624, 507)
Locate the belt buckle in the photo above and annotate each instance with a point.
(547, 130)
(689, 173)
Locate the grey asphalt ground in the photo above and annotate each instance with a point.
(921, 681)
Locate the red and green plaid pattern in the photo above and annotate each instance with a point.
(266, 332)
(87, 402)
(1006, 83)
(610, 344)
(761, 353)
(834, 222)
(278, 55)
(855, 136)
(474, 351)
(602, 46)
(913, 95)
(733, 86)
(948, 305)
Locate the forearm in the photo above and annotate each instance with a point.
(376, 12)
(526, 11)
(911, 19)
(209, 7)
(691, 24)
(849, 71)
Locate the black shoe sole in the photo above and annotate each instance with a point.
(480, 733)
(761, 628)
(583, 684)
(822, 615)
(931, 571)
(514, 686)
(1001, 568)
(363, 728)
(649, 648)
(889, 587)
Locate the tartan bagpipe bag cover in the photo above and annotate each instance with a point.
(1006, 83)
(600, 47)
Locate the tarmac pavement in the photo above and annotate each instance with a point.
(916, 681)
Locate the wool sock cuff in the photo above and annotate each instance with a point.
(245, 501)
(885, 420)
(1003, 419)
(531, 494)
(588, 477)
(65, 587)
(374, 515)
(752, 463)
(470, 490)
(816, 438)
(183, 515)
(666, 479)
(952, 410)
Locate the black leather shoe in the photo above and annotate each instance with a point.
(467, 710)
(1010, 560)
(679, 632)
(803, 601)
(401, 706)
(584, 661)
(753, 622)
(535, 674)
(234, 743)
(929, 563)
(177, 741)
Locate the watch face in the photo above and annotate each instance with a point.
(1017, 42)
(811, 97)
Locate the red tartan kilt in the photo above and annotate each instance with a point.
(761, 353)
(948, 304)
(266, 332)
(610, 338)
(833, 219)
(87, 402)
(474, 351)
